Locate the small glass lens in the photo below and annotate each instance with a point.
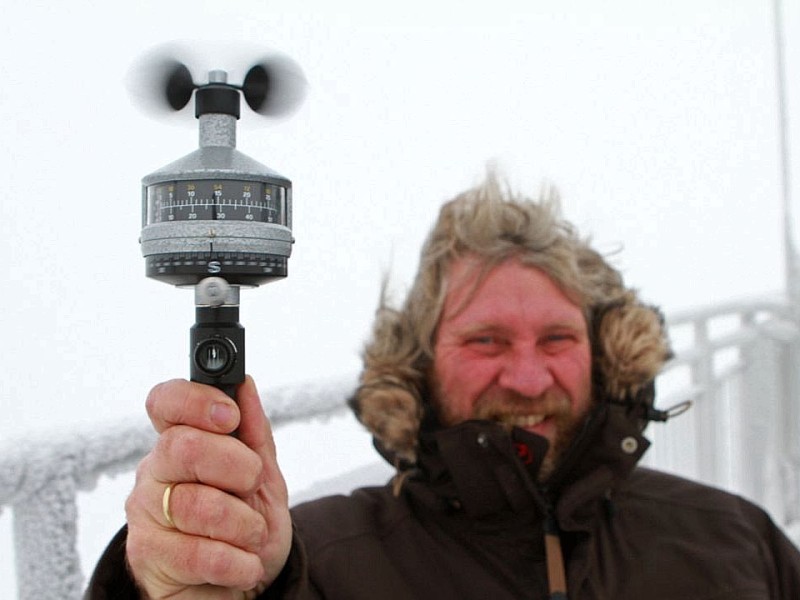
(213, 356)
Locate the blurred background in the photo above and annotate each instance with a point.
(658, 122)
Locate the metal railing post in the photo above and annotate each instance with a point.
(705, 413)
(45, 542)
(790, 447)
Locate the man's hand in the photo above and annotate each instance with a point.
(231, 530)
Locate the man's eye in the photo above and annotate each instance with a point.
(559, 340)
(557, 337)
(484, 341)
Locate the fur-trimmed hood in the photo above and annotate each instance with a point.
(629, 349)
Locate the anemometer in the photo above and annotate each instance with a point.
(217, 220)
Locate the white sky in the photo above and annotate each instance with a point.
(656, 120)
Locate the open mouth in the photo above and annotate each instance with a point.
(521, 420)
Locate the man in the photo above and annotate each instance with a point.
(510, 391)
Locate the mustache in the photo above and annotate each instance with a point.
(496, 403)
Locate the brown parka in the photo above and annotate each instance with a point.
(469, 525)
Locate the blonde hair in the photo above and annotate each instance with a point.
(492, 224)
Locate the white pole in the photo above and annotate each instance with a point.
(789, 445)
(790, 250)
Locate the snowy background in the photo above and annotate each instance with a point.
(657, 121)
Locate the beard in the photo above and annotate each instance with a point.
(506, 407)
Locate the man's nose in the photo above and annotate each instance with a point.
(527, 372)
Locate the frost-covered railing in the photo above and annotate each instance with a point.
(739, 363)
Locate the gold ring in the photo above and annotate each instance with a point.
(165, 504)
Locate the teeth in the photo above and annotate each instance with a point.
(523, 420)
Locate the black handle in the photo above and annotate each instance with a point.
(217, 348)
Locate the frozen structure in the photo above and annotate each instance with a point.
(738, 363)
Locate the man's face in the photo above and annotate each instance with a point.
(517, 352)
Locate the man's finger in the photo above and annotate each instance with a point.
(254, 428)
(181, 402)
(190, 561)
(187, 454)
(208, 512)
(272, 498)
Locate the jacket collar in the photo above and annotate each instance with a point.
(599, 461)
(480, 468)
